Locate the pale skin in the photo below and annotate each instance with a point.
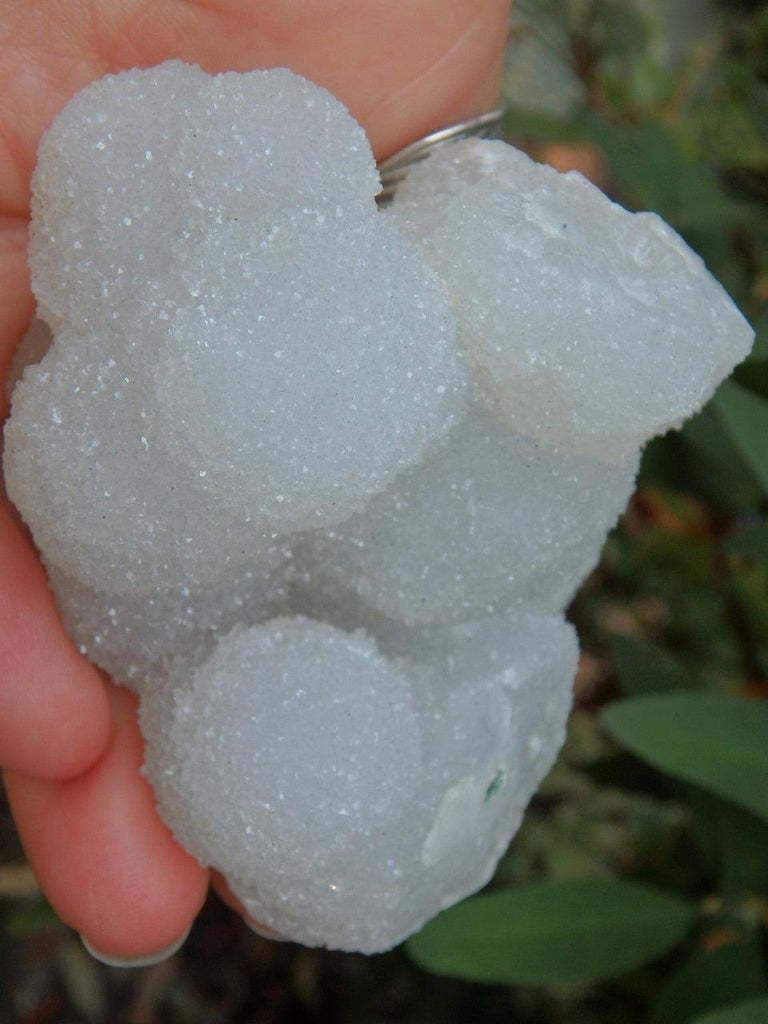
(69, 741)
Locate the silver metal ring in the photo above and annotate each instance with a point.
(395, 167)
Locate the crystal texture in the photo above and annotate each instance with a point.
(638, 333)
(318, 480)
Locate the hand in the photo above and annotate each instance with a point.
(68, 740)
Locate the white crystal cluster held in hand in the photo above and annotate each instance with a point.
(318, 480)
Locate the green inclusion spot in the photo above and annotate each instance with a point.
(494, 785)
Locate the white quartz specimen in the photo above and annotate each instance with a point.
(109, 506)
(317, 481)
(590, 328)
(494, 517)
(164, 156)
(363, 794)
(267, 356)
(136, 637)
(317, 320)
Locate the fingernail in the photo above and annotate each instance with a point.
(135, 961)
(264, 931)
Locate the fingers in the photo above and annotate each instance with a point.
(54, 713)
(445, 67)
(108, 865)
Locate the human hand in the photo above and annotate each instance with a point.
(70, 744)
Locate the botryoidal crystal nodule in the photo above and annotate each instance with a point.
(317, 480)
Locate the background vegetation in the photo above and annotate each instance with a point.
(637, 889)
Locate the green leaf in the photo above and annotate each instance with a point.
(617, 28)
(718, 743)
(745, 417)
(553, 933)
(709, 980)
(753, 1012)
(748, 590)
(752, 375)
(760, 348)
(750, 542)
(643, 669)
(724, 472)
(733, 840)
(30, 919)
(703, 460)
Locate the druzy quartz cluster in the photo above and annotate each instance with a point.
(318, 480)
